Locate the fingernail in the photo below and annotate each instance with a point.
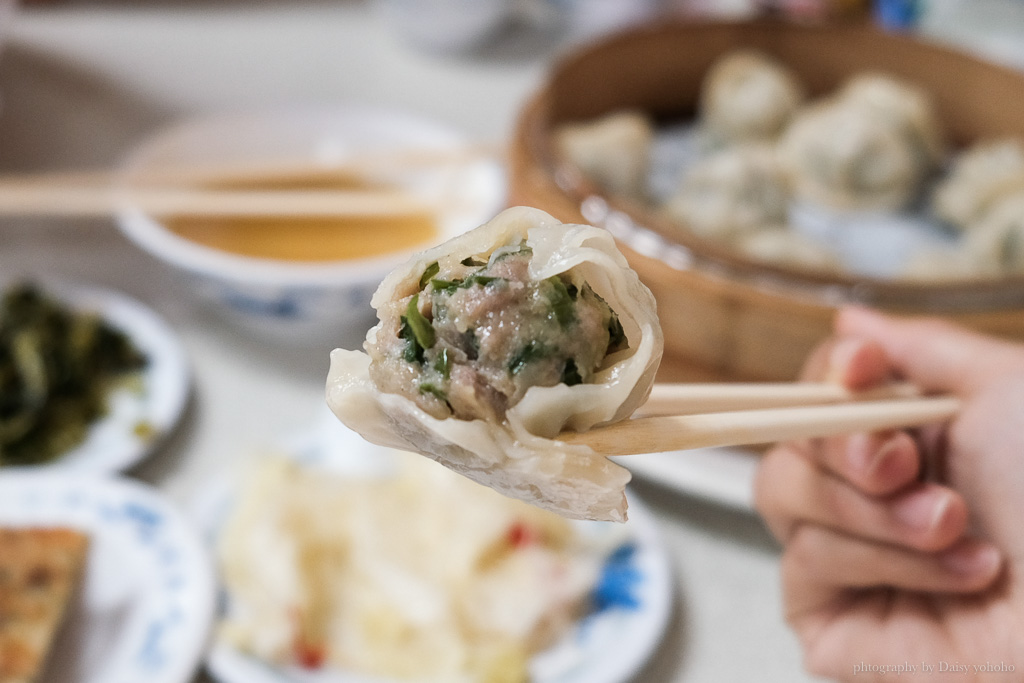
(884, 465)
(972, 558)
(922, 510)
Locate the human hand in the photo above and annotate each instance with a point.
(881, 569)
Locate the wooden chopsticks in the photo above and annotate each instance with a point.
(93, 202)
(363, 166)
(298, 188)
(688, 399)
(736, 424)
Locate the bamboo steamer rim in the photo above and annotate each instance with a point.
(855, 48)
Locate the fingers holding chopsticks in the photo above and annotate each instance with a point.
(792, 492)
(863, 484)
(878, 463)
(855, 503)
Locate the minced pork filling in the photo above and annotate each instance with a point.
(472, 340)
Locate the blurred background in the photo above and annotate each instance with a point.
(70, 67)
(84, 83)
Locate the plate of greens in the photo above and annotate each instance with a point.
(91, 380)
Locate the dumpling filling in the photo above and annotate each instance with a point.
(492, 344)
(475, 337)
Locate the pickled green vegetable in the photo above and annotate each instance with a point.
(57, 369)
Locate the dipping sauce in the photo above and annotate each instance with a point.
(313, 239)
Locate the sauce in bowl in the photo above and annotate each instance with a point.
(306, 239)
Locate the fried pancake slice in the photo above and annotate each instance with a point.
(39, 571)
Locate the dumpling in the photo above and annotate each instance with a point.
(991, 247)
(748, 96)
(732, 192)
(996, 243)
(904, 104)
(980, 177)
(869, 147)
(842, 154)
(493, 343)
(784, 247)
(613, 151)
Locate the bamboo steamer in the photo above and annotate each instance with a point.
(726, 317)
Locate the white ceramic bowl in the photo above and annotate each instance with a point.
(302, 302)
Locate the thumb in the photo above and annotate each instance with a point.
(934, 354)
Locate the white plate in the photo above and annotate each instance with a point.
(721, 475)
(609, 646)
(113, 444)
(146, 602)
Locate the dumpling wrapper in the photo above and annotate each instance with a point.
(519, 457)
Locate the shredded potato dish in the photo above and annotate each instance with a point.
(421, 576)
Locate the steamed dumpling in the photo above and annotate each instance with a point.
(905, 105)
(784, 247)
(613, 151)
(732, 192)
(980, 177)
(869, 147)
(493, 343)
(842, 154)
(996, 243)
(748, 96)
(992, 247)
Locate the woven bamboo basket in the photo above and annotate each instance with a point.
(726, 317)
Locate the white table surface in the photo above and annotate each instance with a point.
(81, 82)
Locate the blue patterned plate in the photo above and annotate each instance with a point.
(146, 603)
(633, 597)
